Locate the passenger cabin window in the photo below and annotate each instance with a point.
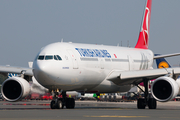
(41, 57)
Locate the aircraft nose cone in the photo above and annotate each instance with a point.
(39, 68)
(41, 71)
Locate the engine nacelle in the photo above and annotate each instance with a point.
(15, 88)
(164, 89)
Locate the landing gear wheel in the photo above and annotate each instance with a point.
(53, 104)
(60, 104)
(67, 103)
(141, 103)
(70, 103)
(152, 103)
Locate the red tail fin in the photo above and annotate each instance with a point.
(144, 34)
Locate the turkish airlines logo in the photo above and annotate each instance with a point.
(145, 28)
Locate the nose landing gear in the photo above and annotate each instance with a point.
(59, 103)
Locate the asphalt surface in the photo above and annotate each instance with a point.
(87, 110)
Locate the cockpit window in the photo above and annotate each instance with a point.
(55, 57)
(49, 57)
(59, 58)
(41, 57)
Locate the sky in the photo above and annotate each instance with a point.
(28, 25)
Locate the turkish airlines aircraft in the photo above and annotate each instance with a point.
(87, 68)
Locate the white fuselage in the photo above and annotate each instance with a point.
(85, 67)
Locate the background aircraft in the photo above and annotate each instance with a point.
(162, 63)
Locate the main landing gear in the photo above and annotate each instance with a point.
(59, 103)
(148, 100)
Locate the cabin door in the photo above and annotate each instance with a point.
(74, 59)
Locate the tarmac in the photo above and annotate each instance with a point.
(87, 110)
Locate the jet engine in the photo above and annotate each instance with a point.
(164, 89)
(15, 88)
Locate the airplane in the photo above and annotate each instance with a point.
(162, 62)
(88, 68)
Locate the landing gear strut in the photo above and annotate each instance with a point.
(59, 103)
(148, 100)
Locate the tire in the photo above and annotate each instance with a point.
(141, 103)
(67, 103)
(152, 104)
(70, 103)
(53, 104)
(60, 104)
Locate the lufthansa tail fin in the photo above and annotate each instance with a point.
(162, 63)
(144, 33)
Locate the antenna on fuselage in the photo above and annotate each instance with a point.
(118, 45)
(62, 40)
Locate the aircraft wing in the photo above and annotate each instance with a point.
(168, 55)
(137, 76)
(16, 70)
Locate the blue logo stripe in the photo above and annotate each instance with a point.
(93, 53)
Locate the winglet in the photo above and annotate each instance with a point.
(144, 33)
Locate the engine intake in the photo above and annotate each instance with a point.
(15, 88)
(164, 89)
